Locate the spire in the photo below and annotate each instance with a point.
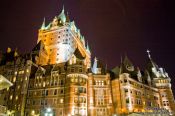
(149, 55)
(63, 9)
(121, 59)
(43, 25)
(62, 16)
(82, 40)
(94, 68)
(120, 67)
(106, 68)
(87, 47)
(139, 75)
(151, 61)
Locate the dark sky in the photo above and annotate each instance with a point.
(112, 27)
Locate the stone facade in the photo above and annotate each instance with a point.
(56, 79)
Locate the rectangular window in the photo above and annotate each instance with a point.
(43, 92)
(61, 91)
(61, 100)
(47, 92)
(55, 92)
(61, 82)
(126, 90)
(33, 102)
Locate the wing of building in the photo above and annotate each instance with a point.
(57, 79)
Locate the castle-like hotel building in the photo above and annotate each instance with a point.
(57, 79)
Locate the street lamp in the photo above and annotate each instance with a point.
(48, 112)
(33, 113)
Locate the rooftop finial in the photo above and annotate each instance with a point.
(94, 67)
(121, 59)
(148, 51)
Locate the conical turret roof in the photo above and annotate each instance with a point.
(62, 16)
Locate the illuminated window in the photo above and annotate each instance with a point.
(18, 86)
(16, 97)
(14, 79)
(76, 90)
(84, 80)
(96, 82)
(101, 111)
(44, 84)
(80, 99)
(76, 79)
(26, 78)
(75, 100)
(80, 80)
(15, 72)
(61, 100)
(35, 93)
(55, 92)
(11, 96)
(27, 70)
(72, 79)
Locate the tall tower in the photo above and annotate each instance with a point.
(61, 37)
(162, 81)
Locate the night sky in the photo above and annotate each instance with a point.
(111, 27)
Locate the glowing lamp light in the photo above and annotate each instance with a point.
(122, 110)
(143, 110)
(49, 109)
(33, 112)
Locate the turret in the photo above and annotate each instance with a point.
(162, 81)
(62, 16)
(128, 66)
(94, 68)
